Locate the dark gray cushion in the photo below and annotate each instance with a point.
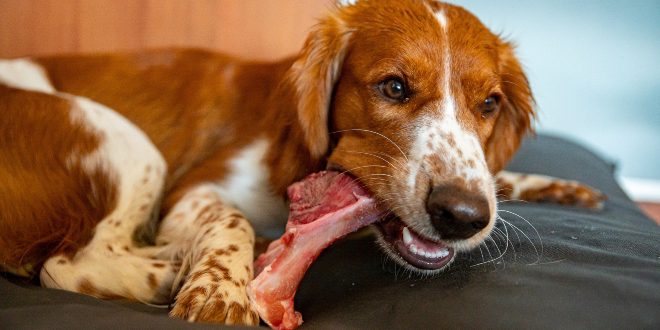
(563, 268)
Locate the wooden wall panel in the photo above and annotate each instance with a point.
(259, 29)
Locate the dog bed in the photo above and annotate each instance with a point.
(561, 267)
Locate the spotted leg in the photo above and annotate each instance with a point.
(546, 189)
(215, 243)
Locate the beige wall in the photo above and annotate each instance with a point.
(260, 29)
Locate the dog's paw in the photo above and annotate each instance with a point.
(546, 189)
(566, 193)
(214, 303)
(213, 293)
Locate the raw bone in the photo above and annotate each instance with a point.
(325, 207)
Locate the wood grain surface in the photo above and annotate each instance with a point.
(257, 29)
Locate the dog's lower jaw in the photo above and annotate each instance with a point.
(392, 254)
(451, 249)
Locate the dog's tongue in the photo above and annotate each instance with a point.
(324, 207)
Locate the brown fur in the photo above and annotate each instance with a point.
(46, 212)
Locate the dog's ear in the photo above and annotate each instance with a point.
(516, 114)
(314, 75)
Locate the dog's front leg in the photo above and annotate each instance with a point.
(546, 189)
(215, 244)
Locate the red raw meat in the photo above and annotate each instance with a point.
(324, 207)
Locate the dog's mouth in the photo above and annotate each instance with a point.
(408, 246)
(413, 248)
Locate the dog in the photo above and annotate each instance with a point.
(145, 175)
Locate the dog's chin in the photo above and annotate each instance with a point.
(411, 250)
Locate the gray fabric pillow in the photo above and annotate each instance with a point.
(563, 268)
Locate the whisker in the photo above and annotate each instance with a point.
(493, 259)
(364, 177)
(377, 174)
(513, 247)
(512, 200)
(505, 223)
(507, 241)
(529, 223)
(379, 134)
(401, 164)
(394, 166)
(498, 251)
(363, 166)
(490, 255)
(538, 256)
(51, 278)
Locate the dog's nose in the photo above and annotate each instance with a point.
(457, 213)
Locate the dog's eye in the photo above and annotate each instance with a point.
(394, 89)
(490, 105)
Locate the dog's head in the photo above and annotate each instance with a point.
(421, 103)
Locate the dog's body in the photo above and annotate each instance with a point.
(418, 101)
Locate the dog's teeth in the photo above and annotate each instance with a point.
(407, 238)
(433, 254)
(443, 253)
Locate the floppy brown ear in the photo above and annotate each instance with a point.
(517, 112)
(314, 75)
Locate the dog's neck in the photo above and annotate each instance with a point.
(289, 158)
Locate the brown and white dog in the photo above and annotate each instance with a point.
(145, 175)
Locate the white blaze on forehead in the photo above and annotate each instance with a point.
(442, 18)
(448, 99)
(463, 156)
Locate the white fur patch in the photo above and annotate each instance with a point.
(442, 19)
(25, 74)
(246, 188)
(448, 100)
(125, 150)
(137, 168)
(344, 3)
(134, 162)
(522, 182)
(434, 133)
